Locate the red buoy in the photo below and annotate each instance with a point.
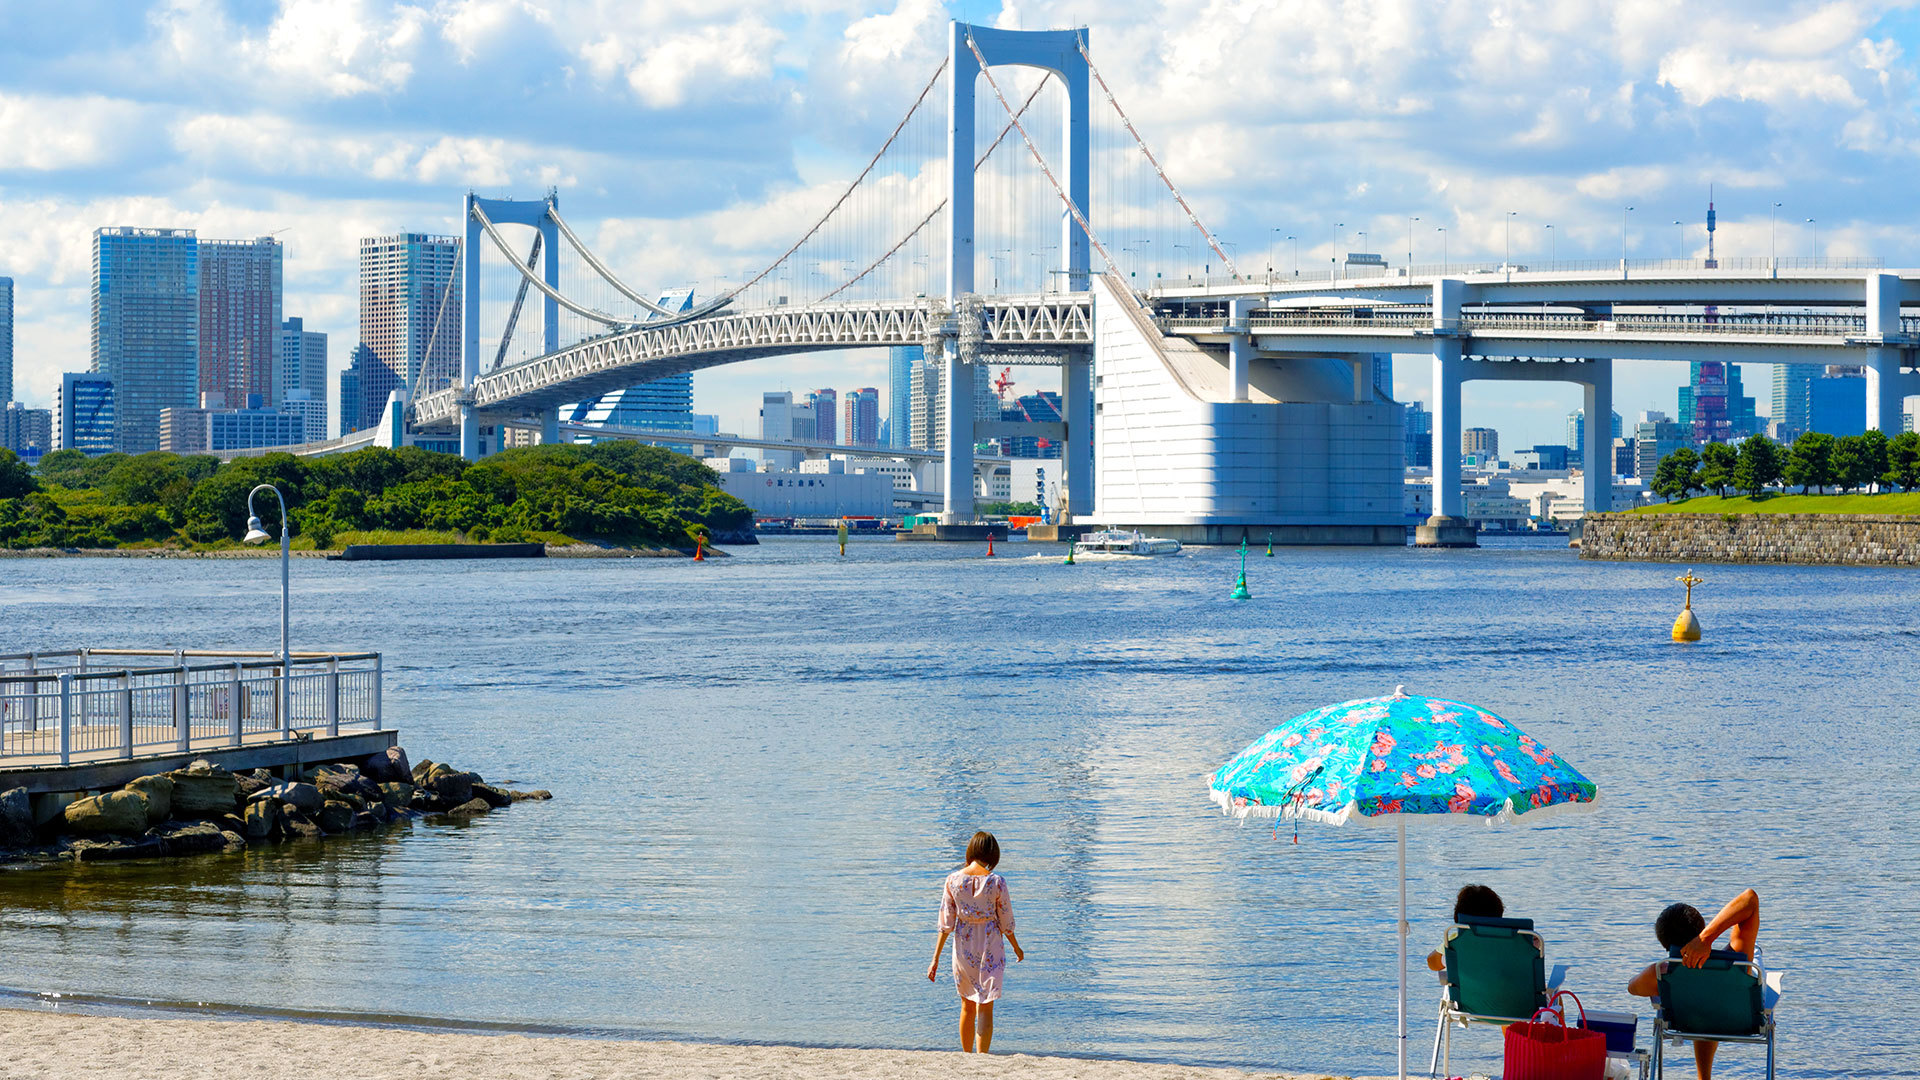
(700, 549)
(989, 545)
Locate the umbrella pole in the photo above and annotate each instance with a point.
(1401, 820)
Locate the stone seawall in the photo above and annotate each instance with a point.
(1810, 539)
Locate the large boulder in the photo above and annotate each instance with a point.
(305, 797)
(495, 797)
(537, 795)
(159, 793)
(194, 838)
(396, 796)
(347, 782)
(117, 813)
(453, 786)
(388, 767)
(247, 785)
(262, 821)
(146, 847)
(335, 816)
(16, 819)
(470, 808)
(201, 790)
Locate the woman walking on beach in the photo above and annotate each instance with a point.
(974, 908)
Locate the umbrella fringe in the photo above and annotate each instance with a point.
(1350, 813)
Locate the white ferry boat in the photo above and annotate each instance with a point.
(1126, 542)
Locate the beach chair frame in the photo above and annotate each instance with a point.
(1665, 1029)
(1451, 1011)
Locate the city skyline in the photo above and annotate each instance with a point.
(369, 120)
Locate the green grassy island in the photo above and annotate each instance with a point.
(1782, 503)
(622, 494)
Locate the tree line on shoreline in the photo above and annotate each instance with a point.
(620, 493)
(1813, 462)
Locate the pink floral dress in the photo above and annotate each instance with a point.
(976, 910)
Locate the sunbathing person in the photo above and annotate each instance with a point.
(1478, 901)
(1684, 934)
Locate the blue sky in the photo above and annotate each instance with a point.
(666, 125)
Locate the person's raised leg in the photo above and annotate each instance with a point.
(985, 1025)
(1703, 1057)
(968, 1011)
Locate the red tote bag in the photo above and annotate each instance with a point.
(1540, 1050)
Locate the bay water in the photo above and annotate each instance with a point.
(764, 765)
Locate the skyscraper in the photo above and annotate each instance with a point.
(901, 360)
(1793, 400)
(826, 419)
(661, 405)
(1837, 401)
(6, 340)
(1418, 430)
(27, 432)
(303, 367)
(146, 327)
(240, 317)
(1482, 444)
(409, 318)
(353, 405)
(1577, 435)
(863, 417)
(929, 404)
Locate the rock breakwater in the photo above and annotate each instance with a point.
(1806, 539)
(204, 808)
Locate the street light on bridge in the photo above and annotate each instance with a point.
(1410, 220)
(1508, 264)
(1683, 238)
(1552, 247)
(1814, 251)
(1624, 211)
(1773, 254)
(1442, 230)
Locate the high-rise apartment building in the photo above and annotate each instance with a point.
(1654, 438)
(928, 414)
(863, 417)
(352, 404)
(826, 415)
(409, 319)
(240, 317)
(1793, 400)
(1577, 435)
(146, 327)
(1837, 401)
(303, 369)
(1481, 445)
(6, 340)
(27, 432)
(901, 360)
(1417, 428)
(83, 414)
(784, 420)
(1043, 408)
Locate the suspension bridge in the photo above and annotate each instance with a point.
(1024, 223)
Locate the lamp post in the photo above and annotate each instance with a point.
(1296, 255)
(1681, 231)
(1508, 267)
(1442, 230)
(1624, 211)
(257, 535)
(1410, 220)
(1773, 215)
(1334, 256)
(1814, 251)
(1553, 254)
(1184, 270)
(1272, 248)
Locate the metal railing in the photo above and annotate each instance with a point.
(1280, 278)
(1415, 319)
(101, 704)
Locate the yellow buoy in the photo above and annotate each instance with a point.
(1687, 626)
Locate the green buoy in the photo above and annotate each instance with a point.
(1240, 587)
(1069, 560)
(1269, 545)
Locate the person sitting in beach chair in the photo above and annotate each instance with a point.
(1493, 969)
(1707, 995)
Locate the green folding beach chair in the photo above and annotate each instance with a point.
(1496, 974)
(1728, 999)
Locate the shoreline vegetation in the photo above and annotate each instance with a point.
(1888, 503)
(43, 1042)
(610, 499)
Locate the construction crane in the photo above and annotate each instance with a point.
(1004, 382)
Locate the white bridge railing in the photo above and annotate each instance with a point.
(102, 704)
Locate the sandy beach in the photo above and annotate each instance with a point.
(36, 1043)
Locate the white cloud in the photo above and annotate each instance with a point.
(43, 134)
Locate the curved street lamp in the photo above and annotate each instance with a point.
(258, 535)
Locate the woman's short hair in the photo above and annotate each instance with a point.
(1677, 925)
(1480, 902)
(984, 849)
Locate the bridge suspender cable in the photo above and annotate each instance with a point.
(519, 301)
(439, 315)
(845, 195)
(533, 279)
(1078, 217)
(1151, 160)
(608, 275)
(942, 204)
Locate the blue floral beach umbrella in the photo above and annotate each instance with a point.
(1388, 758)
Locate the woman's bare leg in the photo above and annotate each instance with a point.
(985, 1025)
(967, 1012)
(1703, 1057)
